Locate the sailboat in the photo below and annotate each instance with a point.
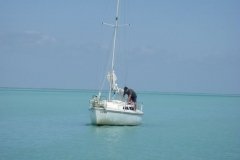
(114, 110)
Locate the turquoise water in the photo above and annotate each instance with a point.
(54, 125)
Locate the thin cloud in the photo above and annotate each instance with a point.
(25, 38)
(144, 50)
(39, 38)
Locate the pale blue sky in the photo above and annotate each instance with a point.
(171, 45)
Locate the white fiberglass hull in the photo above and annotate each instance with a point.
(109, 116)
(114, 112)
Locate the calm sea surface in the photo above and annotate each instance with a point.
(55, 125)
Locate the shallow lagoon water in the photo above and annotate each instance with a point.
(55, 124)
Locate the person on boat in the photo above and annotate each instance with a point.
(132, 96)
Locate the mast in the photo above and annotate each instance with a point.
(111, 75)
(113, 50)
(115, 35)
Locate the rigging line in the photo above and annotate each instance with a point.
(126, 47)
(107, 65)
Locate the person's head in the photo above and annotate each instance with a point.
(125, 89)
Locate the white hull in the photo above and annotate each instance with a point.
(115, 114)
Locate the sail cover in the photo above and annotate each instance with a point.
(112, 79)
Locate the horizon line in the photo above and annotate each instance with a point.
(139, 92)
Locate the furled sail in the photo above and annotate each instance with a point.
(112, 79)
